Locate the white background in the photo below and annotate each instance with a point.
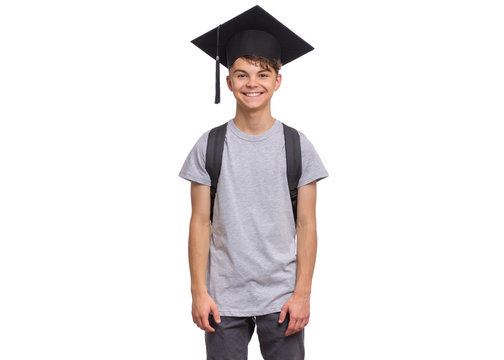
(101, 101)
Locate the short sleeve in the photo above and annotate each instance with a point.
(194, 165)
(312, 166)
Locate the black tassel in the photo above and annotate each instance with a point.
(217, 80)
(217, 71)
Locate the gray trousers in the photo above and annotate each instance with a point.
(231, 337)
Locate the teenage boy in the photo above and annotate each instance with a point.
(247, 268)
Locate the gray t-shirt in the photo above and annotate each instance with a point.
(252, 261)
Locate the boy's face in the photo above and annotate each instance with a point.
(251, 85)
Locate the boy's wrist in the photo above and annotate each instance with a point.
(198, 290)
(301, 291)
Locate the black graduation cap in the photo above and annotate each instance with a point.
(254, 32)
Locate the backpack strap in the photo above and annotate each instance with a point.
(213, 162)
(294, 164)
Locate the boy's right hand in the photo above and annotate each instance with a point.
(202, 305)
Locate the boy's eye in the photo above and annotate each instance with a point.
(241, 75)
(263, 75)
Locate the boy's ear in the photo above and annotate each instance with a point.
(229, 84)
(278, 81)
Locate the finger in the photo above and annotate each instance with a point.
(290, 328)
(306, 321)
(215, 312)
(206, 325)
(297, 326)
(300, 325)
(195, 319)
(283, 314)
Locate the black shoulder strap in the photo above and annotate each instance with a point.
(294, 164)
(213, 163)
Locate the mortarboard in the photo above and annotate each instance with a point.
(254, 32)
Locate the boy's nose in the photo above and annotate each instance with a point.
(252, 81)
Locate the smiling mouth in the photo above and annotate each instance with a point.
(252, 94)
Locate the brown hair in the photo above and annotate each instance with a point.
(264, 62)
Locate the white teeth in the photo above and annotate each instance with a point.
(252, 94)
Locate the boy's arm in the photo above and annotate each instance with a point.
(199, 245)
(306, 238)
(298, 305)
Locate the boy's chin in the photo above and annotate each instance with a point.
(252, 106)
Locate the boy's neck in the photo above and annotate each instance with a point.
(253, 123)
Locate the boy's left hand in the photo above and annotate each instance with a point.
(298, 307)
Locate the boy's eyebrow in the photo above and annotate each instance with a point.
(263, 70)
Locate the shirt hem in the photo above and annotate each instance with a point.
(243, 313)
(317, 178)
(195, 179)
